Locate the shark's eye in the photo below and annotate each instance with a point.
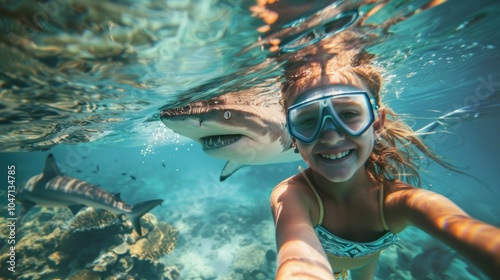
(227, 115)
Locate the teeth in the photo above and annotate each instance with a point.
(336, 156)
(214, 142)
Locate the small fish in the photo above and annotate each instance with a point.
(78, 171)
(54, 189)
(163, 164)
(97, 167)
(124, 173)
(132, 177)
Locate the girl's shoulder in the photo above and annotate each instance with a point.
(293, 202)
(397, 193)
(294, 190)
(397, 188)
(292, 185)
(401, 192)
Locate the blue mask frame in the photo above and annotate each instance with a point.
(327, 111)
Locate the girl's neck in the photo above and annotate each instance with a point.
(360, 182)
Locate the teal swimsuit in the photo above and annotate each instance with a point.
(344, 248)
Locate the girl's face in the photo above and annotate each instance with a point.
(336, 155)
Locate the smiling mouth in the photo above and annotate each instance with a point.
(219, 141)
(337, 156)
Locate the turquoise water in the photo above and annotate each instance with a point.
(89, 106)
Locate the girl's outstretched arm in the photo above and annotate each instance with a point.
(300, 255)
(444, 220)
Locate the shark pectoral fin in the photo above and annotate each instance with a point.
(26, 206)
(229, 169)
(139, 209)
(76, 208)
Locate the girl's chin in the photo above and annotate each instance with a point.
(336, 176)
(338, 179)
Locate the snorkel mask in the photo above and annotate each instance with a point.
(350, 111)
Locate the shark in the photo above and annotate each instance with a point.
(249, 127)
(52, 188)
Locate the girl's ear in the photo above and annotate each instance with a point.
(378, 124)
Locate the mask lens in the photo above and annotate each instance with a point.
(352, 112)
(305, 121)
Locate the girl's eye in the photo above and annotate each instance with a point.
(349, 115)
(306, 117)
(307, 121)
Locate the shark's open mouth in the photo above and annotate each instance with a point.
(218, 141)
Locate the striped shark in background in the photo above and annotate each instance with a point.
(52, 188)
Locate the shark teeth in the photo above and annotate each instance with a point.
(337, 155)
(218, 141)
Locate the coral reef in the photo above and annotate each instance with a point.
(95, 244)
(89, 225)
(225, 242)
(159, 241)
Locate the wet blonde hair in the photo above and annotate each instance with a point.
(395, 155)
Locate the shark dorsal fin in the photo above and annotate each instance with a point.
(51, 170)
(117, 197)
(229, 169)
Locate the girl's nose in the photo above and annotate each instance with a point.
(330, 133)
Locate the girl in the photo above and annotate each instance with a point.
(356, 196)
